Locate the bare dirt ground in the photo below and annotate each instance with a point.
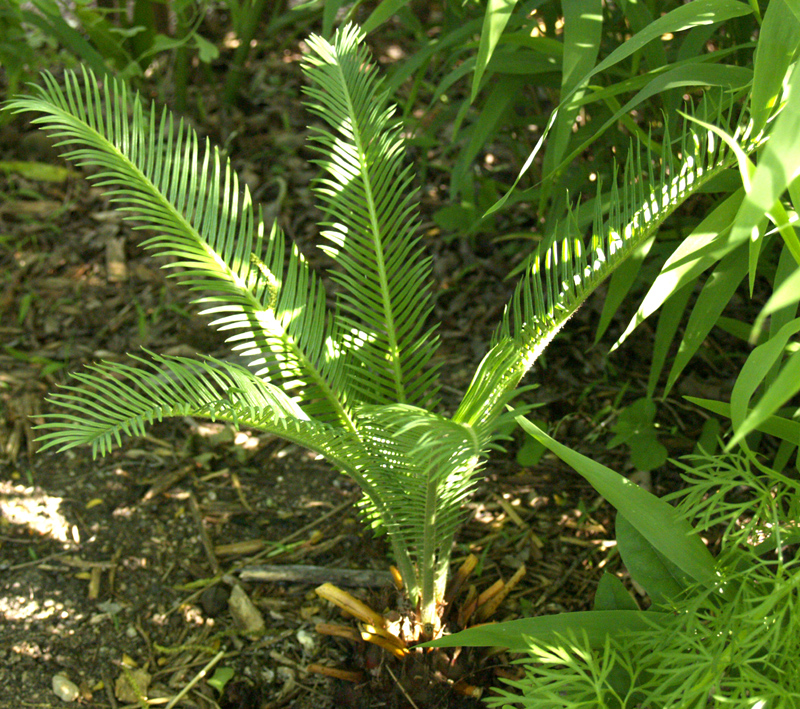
(116, 572)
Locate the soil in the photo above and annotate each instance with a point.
(117, 570)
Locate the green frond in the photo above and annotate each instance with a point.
(164, 387)
(562, 276)
(292, 335)
(372, 223)
(422, 468)
(161, 176)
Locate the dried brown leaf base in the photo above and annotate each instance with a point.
(385, 664)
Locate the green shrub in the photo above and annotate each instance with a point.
(355, 381)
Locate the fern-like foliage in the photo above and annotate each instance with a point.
(341, 381)
(560, 278)
(429, 462)
(159, 174)
(372, 224)
(738, 649)
(353, 382)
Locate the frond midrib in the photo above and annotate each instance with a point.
(375, 232)
(248, 302)
(570, 298)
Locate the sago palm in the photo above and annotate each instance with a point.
(354, 382)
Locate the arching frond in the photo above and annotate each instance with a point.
(372, 222)
(160, 175)
(559, 279)
(163, 387)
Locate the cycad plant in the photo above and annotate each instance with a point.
(355, 381)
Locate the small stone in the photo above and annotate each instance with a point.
(64, 689)
(247, 617)
(214, 600)
(306, 639)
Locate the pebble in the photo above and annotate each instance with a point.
(214, 600)
(306, 639)
(245, 614)
(64, 689)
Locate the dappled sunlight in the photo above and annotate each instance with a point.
(24, 608)
(33, 508)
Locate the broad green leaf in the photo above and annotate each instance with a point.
(583, 24)
(715, 296)
(691, 75)
(778, 40)
(382, 13)
(657, 521)
(521, 61)
(754, 371)
(104, 36)
(783, 428)
(684, 17)
(776, 212)
(634, 428)
(504, 93)
(778, 166)
(528, 162)
(329, 11)
(451, 43)
(611, 595)
(739, 329)
(784, 296)
(706, 245)
(207, 51)
(620, 285)
(679, 71)
(787, 267)
(785, 386)
(795, 9)
(495, 20)
(662, 580)
(54, 25)
(221, 677)
(668, 320)
(519, 635)
(639, 17)
(709, 439)
(531, 451)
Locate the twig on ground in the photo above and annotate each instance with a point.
(202, 673)
(204, 538)
(353, 578)
(402, 688)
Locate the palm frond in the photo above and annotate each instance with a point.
(372, 223)
(423, 467)
(160, 175)
(163, 387)
(561, 277)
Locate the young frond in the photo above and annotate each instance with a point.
(423, 469)
(162, 387)
(372, 221)
(161, 176)
(562, 276)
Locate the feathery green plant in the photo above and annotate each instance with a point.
(355, 382)
(731, 638)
